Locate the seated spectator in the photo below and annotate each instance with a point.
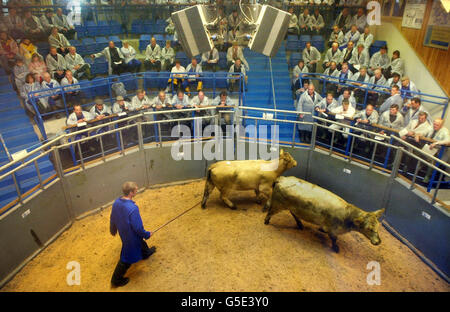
(235, 52)
(54, 96)
(234, 20)
(59, 41)
(379, 60)
(366, 38)
(129, 54)
(33, 28)
(13, 23)
(71, 93)
(441, 136)
(118, 88)
(328, 103)
(305, 22)
(395, 98)
(344, 20)
(363, 78)
(63, 24)
(20, 72)
(293, 27)
(153, 56)
(311, 56)
(397, 65)
(333, 55)
(121, 106)
(347, 111)
(366, 117)
(317, 22)
(332, 71)
(394, 81)
(78, 116)
(347, 55)
(344, 75)
(37, 67)
(336, 36)
(237, 67)
(201, 101)
(140, 100)
(77, 64)
(100, 111)
(167, 57)
(177, 76)
(407, 88)
(31, 85)
(223, 100)
(162, 102)
(352, 35)
(26, 50)
(347, 95)
(56, 64)
(412, 109)
(392, 118)
(210, 60)
(48, 21)
(360, 58)
(418, 127)
(180, 101)
(8, 52)
(115, 59)
(194, 71)
(233, 35)
(307, 104)
(360, 20)
(297, 80)
(373, 93)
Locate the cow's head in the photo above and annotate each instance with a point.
(288, 159)
(368, 225)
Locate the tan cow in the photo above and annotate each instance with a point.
(319, 206)
(257, 175)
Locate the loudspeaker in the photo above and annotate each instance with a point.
(270, 31)
(192, 33)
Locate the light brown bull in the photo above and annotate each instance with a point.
(335, 216)
(257, 175)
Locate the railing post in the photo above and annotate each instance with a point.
(394, 173)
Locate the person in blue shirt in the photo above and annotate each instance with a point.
(126, 219)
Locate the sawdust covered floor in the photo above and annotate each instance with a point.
(218, 249)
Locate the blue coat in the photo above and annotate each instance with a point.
(126, 219)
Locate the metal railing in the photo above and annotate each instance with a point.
(140, 122)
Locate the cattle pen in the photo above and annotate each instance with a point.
(66, 221)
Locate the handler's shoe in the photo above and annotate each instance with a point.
(150, 252)
(121, 283)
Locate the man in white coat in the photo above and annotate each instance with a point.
(235, 52)
(336, 36)
(307, 104)
(412, 109)
(129, 53)
(392, 118)
(114, 57)
(210, 60)
(153, 56)
(366, 38)
(167, 57)
(311, 56)
(379, 59)
(56, 64)
(77, 64)
(297, 79)
(333, 55)
(360, 58)
(352, 35)
(397, 65)
(395, 98)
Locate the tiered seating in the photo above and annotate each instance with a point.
(375, 47)
(184, 61)
(89, 45)
(144, 41)
(295, 57)
(101, 43)
(116, 40)
(292, 43)
(318, 42)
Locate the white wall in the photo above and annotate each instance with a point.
(414, 67)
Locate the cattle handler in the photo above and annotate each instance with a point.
(126, 219)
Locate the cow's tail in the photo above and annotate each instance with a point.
(209, 187)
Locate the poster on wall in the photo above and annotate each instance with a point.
(414, 13)
(438, 28)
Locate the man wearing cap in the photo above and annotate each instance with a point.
(121, 106)
(126, 219)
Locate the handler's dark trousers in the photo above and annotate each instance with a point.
(122, 267)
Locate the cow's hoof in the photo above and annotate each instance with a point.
(266, 222)
(259, 201)
(203, 206)
(233, 208)
(335, 248)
